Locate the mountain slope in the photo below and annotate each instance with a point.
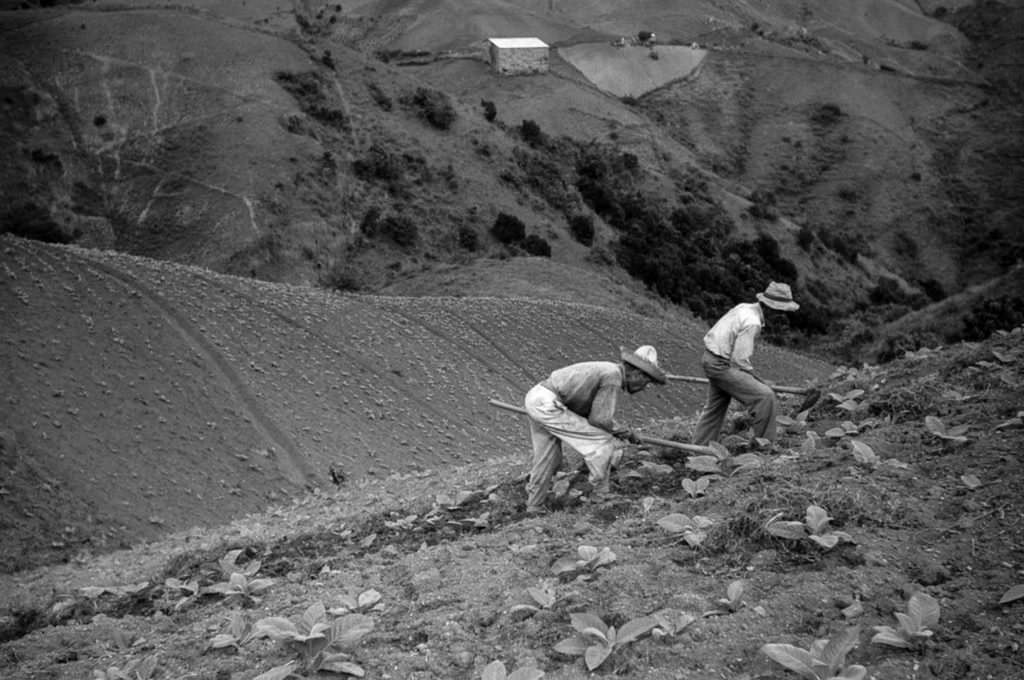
(151, 396)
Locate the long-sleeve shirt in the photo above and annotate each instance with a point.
(733, 336)
(590, 389)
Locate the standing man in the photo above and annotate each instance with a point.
(728, 347)
(576, 405)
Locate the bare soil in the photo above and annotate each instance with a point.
(451, 553)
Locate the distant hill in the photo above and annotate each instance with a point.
(872, 141)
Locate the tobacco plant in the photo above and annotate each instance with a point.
(319, 641)
(915, 626)
(237, 633)
(140, 669)
(722, 460)
(693, 530)
(814, 527)
(595, 641)
(825, 660)
(496, 671)
(240, 586)
(697, 487)
(589, 559)
(542, 597)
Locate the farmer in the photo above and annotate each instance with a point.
(728, 347)
(576, 405)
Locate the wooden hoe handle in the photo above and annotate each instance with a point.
(692, 448)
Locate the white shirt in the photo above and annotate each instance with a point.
(733, 336)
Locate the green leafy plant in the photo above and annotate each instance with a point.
(589, 559)
(240, 585)
(814, 527)
(723, 462)
(848, 401)
(915, 626)
(139, 669)
(939, 429)
(236, 634)
(697, 487)
(670, 622)
(595, 641)
(496, 671)
(693, 530)
(825, 660)
(240, 588)
(191, 590)
(1013, 594)
(542, 596)
(319, 641)
(366, 601)
(733, 600)
(847, 428)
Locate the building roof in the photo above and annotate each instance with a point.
(518, 42)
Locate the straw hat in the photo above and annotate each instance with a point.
(778, 296)
(646, 359)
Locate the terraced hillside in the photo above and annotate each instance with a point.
(145, 396)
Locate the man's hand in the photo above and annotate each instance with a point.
(628, 435)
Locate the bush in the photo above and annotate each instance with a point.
(826, 115)
(531, 133)
(508, 228)
(536, 245)
(582, 229)
(763, 205)
(805, 237)
(400, 229)
(314, 96)
(467, 238)
(32, 221)
(490, 110)
(379, 164)
(370, 220)
(434, 106)
(379, 96)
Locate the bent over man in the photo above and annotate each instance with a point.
(728, 347)
(576, 405)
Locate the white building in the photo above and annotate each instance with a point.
(518, 55)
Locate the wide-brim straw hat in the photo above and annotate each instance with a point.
(646, 359)
(778, 296)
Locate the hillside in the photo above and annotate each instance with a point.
(905, 475)
(146, 397)
(871, 146)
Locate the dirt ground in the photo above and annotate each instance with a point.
(915, 463)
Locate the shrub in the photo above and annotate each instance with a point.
(378, 164)
(434, 106)
(508, 228)
(467, 238)
(826, 114)
(380, 97)
(400, 229)
(312, 93)
(536, 245)
(805, 237)
(490, 110)
(370, 220)
(33, 221)
(582, 229)
(531, 133)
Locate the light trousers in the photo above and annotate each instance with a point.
(551, 425)
(727, 382)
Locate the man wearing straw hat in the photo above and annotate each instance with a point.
(728, 347)
(576, 405)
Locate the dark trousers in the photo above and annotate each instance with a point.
(725, 383)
